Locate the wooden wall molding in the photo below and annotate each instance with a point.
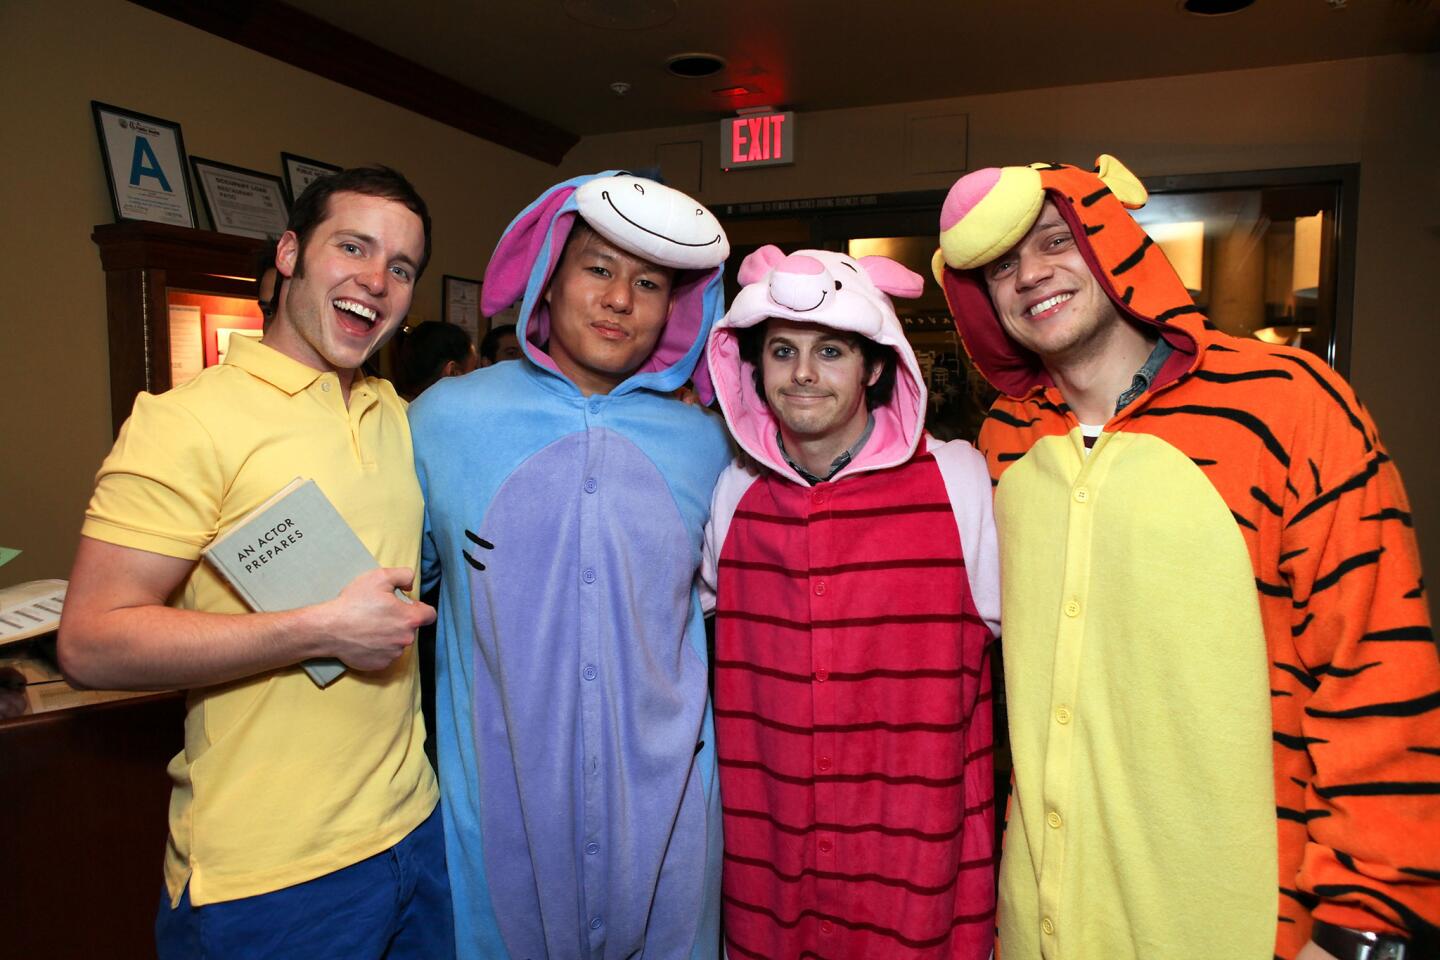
(292, 36)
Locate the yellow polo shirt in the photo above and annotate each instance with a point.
(279, 781)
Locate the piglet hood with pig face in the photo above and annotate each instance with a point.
(832, 290)
(641, 217)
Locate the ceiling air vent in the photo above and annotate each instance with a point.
(695, 65)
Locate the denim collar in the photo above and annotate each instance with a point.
(1146, 374)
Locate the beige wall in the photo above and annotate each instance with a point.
(1377, 112)
(234, 105)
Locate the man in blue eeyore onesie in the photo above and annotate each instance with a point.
(566, 496)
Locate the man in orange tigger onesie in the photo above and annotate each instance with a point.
(1223, 689)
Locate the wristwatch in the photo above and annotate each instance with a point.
(1347, 944)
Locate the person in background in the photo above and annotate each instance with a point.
(430, 351)
(858, 591)
(1223, 688)
(302, 821)
(267, 287)
(499, 344)
(566, 496)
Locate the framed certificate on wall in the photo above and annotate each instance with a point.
(246, 203)
(300, 172)
(144, 159)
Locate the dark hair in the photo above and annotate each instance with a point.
(425, 349)
(490, 343)
(581, 229)
(313, 205)
(265, 260)
(751, 341)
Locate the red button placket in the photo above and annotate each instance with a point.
(823, 698)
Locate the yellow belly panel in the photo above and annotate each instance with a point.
(1143, 824)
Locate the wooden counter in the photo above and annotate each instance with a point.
(83, 801)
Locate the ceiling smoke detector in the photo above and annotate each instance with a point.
(619, 88)
(695, 65)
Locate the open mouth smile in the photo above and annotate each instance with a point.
(1046, 305)
(357, 315)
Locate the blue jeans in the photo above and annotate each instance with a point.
(392, 906)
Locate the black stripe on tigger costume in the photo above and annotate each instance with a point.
(1215, 617)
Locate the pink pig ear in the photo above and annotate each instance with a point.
(893, 278)
(754, 267)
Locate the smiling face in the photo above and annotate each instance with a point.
(1046, 297)
(607, 308)
(815, 379)
(354, 286)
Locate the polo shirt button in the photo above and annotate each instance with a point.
(589, 575)
(826, 927)
(1082, 495)
(595, 408)
(822, 675)
(1062, 715)
(820, 496)
(590, 673)
(325, 385)
(592, 848)
(820, 588)
(823, 763)
(591, 484)
(825, 846)
(1072, 608)
(1048, 926)
(594, 923)
(1053, 819)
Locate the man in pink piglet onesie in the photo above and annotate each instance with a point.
(854, 575)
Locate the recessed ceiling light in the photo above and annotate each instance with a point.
(620, 14)
(732, 91)
(1214, 8)
(694, 65)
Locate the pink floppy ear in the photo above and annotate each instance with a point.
(893, 278)
(754, 267)
(513, 259)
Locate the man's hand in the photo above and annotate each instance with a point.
(117, 632)
(368, 626)
(1312, 952)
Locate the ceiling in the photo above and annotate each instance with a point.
(537, 57)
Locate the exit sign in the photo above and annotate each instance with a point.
(757, 140)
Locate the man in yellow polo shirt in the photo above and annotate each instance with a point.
(302, 821)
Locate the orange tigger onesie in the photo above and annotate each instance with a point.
(1223, 688)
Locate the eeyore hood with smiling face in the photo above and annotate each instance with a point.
(845, 293)
(642, 217)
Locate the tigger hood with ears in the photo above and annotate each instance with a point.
(832, 290)
(989, 211)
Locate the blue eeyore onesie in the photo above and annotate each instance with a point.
(575, 737)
